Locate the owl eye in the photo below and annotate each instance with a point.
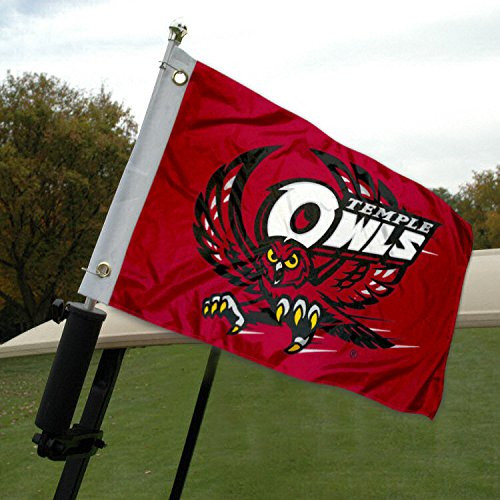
(292, 261)
(271, 256)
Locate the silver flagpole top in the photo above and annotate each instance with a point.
(177, 32)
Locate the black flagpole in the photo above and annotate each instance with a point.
(91, 421)
(196, 421)
(77, 444)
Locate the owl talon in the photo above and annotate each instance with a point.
(313, 320)
(313, 316)
(299, 311)
(298, 344)
(226, 307)
(293, 348)
(282, 309)
(303, 322)
(279, 313)
(298, 316)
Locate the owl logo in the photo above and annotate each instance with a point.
(321, 249)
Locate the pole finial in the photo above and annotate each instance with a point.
(178, 31)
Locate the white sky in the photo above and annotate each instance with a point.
(415, 85)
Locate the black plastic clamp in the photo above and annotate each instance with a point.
(58, 311)
(78, 442)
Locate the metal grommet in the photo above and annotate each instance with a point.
(103, 270)
(180, 77)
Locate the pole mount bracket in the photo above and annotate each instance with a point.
(78, 442)
(58, 311)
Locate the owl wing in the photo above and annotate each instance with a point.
(355, 280)
(357, 283)
(223, 241)
(353, 331)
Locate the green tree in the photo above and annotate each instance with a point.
(447, 196)
(62, 152)
(478, 202)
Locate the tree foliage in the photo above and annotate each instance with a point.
(447, 196)
(62, 152)
(478, 202)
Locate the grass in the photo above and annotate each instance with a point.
(265, 435)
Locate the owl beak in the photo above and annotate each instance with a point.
(278, 272)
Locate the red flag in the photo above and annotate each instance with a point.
(261, 235)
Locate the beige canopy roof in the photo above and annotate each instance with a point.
(479, 307)
(480, 302)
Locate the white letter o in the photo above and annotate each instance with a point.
(297, 194)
